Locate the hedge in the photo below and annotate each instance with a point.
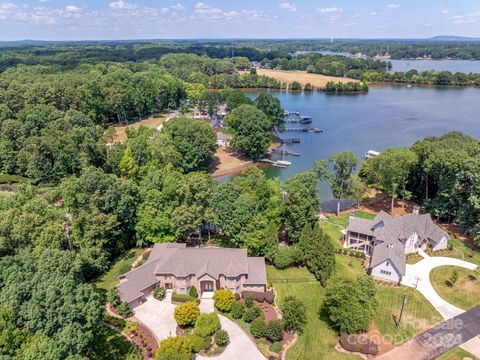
(260, 296)
(8, 179)
(182, 298)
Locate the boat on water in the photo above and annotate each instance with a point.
(371, 153)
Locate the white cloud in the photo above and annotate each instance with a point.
(287, 6)
(329, 10)
(444, 11)
(471, 18)
(121, 5)
(207, 13)
(393, 6)
(72, 9)
(373, 13)
(178, 7)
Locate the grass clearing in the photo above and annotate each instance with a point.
(110, 345)
(418, 314)
(457, 354)
(151, 122)
(316, 80)
(334, 225)
(462, 251)
(465, 293)
(122, 265)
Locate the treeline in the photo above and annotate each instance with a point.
(331, 65)
(351, 86)
(442, 78)
(441, 172)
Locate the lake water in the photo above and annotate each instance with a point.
(386, 116)
(465, 66)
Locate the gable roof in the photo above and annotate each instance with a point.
(393, 252)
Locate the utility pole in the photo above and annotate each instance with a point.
(401, 311)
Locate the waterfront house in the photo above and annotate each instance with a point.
(176, 267)
(387, 240)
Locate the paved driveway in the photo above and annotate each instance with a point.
(240, 346)
(158, 316)
(418, 276)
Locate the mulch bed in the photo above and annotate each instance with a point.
(268, 311)
(144, 341)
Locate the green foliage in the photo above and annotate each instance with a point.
(175, 348)
(159, 292)
(274, 330)
(224, 300)
(276, 347)
(350, 305)
(294, 314)
(318, 252)
(112, 297)
(11, 337)
(453, 277)
(192, 291)
(182, 298)
(248, 301)
(301, 203)
(187, 313)
(194, 140)
(124, 310)
(287, 256)
(237, 310)
(295, 86)
(252, 313)
(207, 324)
(270, 105)
(199, 343)
(257, 328)
(251, 130)
(221, 338)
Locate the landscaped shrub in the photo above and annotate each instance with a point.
(200, 343)
(257, 295)
(274, 330)
(181, 298)
(158, 292)
(186, 314)
(221, 338)
(269, 297)
(294, 313)
(207, 324)
(287, 256)
(124, 310)
(113, 298)
(177, 348)
(248, 300)
(192, 291)
(224, 299)
(276, 347)
(257, 329)
(237, 310)
(252, 313)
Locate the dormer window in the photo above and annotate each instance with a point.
(388, 263)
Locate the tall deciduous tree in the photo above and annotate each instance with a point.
(251, 130)
(337, 171)
(270, 105)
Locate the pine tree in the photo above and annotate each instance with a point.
(305, 241)
(320, 255)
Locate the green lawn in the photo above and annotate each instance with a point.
(465, 293)
(418, 314)
(457, 354)
(110, 345)
(462, 251)
(120, 266)
(333, 225)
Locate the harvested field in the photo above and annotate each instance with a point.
(318, 81)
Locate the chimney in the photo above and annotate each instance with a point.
(416, 209)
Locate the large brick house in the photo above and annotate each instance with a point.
(388, 239)
(176, 267)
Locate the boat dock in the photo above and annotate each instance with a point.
(277, 163)
(304, 129)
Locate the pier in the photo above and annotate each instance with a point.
(304, 129)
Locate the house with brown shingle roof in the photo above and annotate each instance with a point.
(176, 267)
(387, 240)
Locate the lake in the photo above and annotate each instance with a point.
(386, 116)
(464, 66)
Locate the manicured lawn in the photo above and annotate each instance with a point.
(120, 266)
(319, 339)
(109, 344)
(333, 225)
(465, 293)
(418, 314)
(462, 251)
(457, 354)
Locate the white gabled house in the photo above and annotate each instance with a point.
(388, 239)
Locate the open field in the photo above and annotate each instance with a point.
(457, 354)
(152, 122)
(318, 81)
(465, 293)
(110, 345)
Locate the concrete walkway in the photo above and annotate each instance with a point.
(170, 116)
(240, 346)
(418, 277)
(158, 316)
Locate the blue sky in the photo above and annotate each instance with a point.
(135, 19)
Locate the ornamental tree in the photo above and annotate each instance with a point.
(224, 299)
(186, 314)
